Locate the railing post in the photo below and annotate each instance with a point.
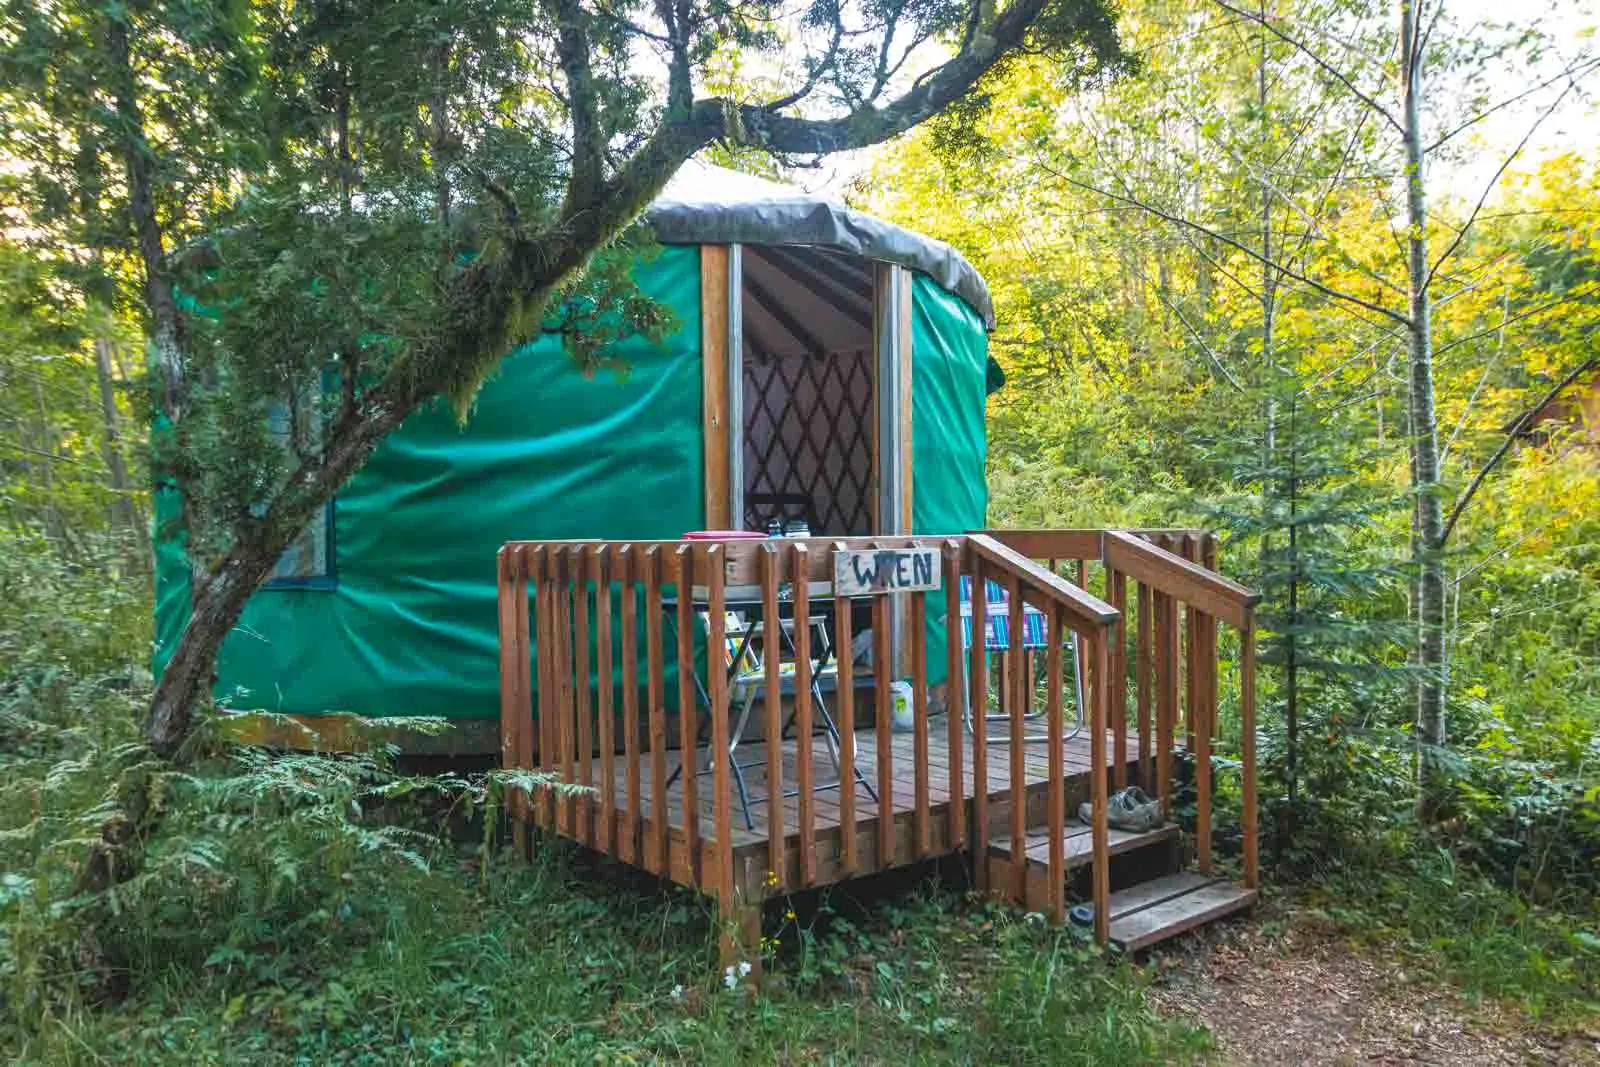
(1203, 639)
(1247, 748)
(688, 708)
(1056, 807)
(516, 707)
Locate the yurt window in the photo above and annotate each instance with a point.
(308, 561)
(808, 389)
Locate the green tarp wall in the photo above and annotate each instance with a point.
(949, 485)
(409, 626)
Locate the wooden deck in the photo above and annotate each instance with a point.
(752, 844)
(574, 612)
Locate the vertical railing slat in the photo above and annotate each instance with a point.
(845, 699)
(605, 564)
(717, 687)
(1143, 653)
(1056, 805)
(803, 725)
(1097, 787)
(628, 571)
(1189, 549)
(543, 647)
(508, 581)
(525, 728)
(920, 818)
(771, 577)
(957, 695)
(978, 705)
(660, 859)
(688, 708)
(1166, 694)
(881, 667)
(582, 576)
(1018, 753)
(1117, 597)
(566, 564)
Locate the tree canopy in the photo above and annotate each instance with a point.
(343, 209)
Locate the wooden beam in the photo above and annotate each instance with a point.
(820, 284)
(714, 287)
(904, 337)
(773, 305)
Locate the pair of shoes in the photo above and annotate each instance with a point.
(1128, 809)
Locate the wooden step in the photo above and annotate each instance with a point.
(1079, 852)
(1080, 843)
(1149, 912)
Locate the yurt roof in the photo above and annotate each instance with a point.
(707, 204)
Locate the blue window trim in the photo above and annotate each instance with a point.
(321, 582)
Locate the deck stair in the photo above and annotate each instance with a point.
(1150, 912)
(1143, 913)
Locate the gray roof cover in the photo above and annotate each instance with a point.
(706, 204)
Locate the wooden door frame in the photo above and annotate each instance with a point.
(722, 383)
(722, 370)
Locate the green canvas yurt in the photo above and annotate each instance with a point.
(827, 366)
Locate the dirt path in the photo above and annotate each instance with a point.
(1300, 996)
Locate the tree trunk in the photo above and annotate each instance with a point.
(186, 680)
(1429, 567)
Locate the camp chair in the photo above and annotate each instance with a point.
(747, 683)
(997, 638)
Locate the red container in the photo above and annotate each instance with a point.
(723, 535)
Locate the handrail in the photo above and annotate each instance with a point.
(1075, 544)
(1187, 581)
(1087, 609)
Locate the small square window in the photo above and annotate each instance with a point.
(308, 561)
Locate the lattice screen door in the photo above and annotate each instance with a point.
(807, 440)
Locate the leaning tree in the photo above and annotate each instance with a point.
(339, 211)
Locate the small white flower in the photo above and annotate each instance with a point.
(744, 969)
(677, 992)
(730, 979)
(1034, 918)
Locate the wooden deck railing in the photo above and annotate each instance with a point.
(574, 614)
(1170, 569)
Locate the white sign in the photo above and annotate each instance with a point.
(885, 570)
